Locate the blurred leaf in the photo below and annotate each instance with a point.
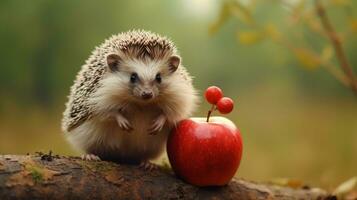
(346, 187)
(327, 53)
(299, 7)
(314, 25)
(222, 18)
(243, 13)
(293, 183)
(307, 58)
(228, 9)
(252, 4)
(341, 2)
(272, 31)
(250, 37)
(296, 9)
(354, 25)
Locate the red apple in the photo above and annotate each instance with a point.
(205, 153)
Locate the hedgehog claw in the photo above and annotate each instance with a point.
(158, 124)
(123, 123)
(90, 157)
(147, 166)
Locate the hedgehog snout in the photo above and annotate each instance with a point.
(146, 95)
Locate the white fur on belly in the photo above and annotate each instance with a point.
(104, 138)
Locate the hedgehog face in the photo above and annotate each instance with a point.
(145, 78)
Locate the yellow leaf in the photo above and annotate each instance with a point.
(293, 183)
(307, 58)
(252, 4)
(249, 37)
(295, 7)
(354, 25)
(272, 31)
(346, 187)
(327, 53)
(229, 8)
(242, 12)
(341, 2)
(222, 18)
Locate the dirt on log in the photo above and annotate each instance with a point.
(59, 177)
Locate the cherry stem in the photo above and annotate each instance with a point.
(210, 112)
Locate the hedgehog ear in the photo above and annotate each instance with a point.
(174, 62)
(113, 61)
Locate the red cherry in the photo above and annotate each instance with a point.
(225, 105)
(213, 94)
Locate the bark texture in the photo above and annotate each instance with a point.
(48, 177)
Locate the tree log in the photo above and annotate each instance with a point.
(60, 177)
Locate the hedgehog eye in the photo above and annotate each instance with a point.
(133, 77)
(158, 78)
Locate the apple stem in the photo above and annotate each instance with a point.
(210, 112)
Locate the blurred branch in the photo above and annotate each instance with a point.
(333, 70)
(307, 56)
(337, 73)
(335, 40)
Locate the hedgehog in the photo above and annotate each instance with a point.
(127, 97)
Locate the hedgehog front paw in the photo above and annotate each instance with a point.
(123, 123)
(90, 157)
(157, 125)
(148, 166)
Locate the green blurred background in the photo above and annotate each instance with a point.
(297, 123)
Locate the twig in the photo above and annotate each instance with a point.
(210, 112)
(340, 54)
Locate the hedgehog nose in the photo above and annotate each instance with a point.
(146, 95)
